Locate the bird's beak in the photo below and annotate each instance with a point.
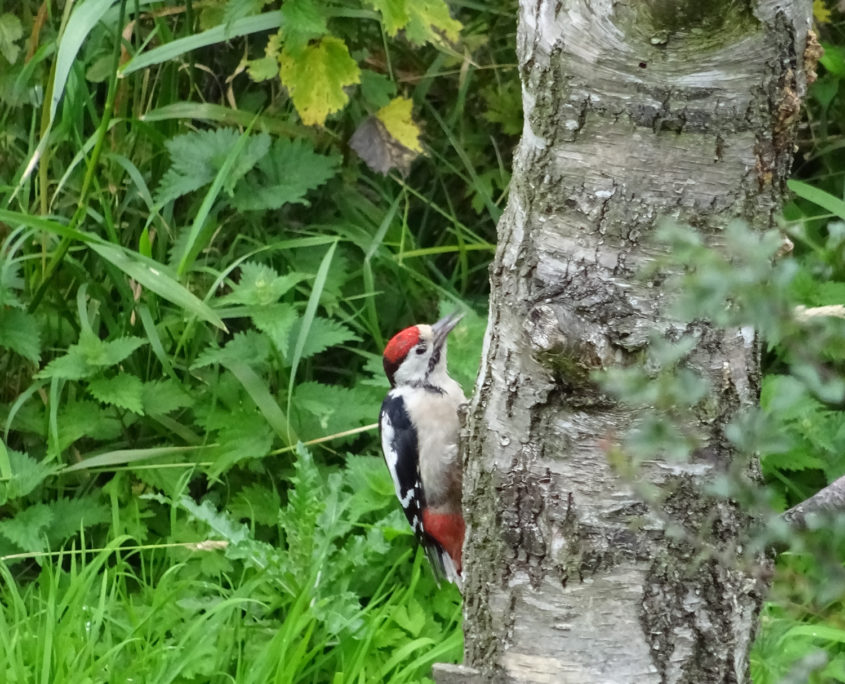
(444, 326)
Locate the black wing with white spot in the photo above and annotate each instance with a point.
(400, 447)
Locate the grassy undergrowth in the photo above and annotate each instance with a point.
(197, 275)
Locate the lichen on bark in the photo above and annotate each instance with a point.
(633, 112)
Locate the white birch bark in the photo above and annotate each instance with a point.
(634, 110)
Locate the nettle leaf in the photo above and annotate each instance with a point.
(163, 396)
(196, 157)
(11, 31)
(90, 354)
(333, 408)
(19, 332)
(71, 515)
(10, 283)
(242, 435)
(27, 474)
(302, 21)
(84, 418)
(27, 528)
(285, 176)
(324, 333)
(316, 77)
(250, 346)
(122, 390)
(276, 321)
(261, 285)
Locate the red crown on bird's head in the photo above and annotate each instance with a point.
(397, 349)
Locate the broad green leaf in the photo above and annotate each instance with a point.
(69, 515)
(107, 353)
(285, 176)
(19, 331)
(163, 396)
(316, 77)
(276, 322)
(27, 528)
(256, 502)
(322, 334)
(197, 157)
(250, 346)
(394, 14)
(26, 474)
(11, 31)
(377, 89)
(302, 21)
(83, 418)
(399, 122)
(260, 285)
(429, 21)
(122, 390)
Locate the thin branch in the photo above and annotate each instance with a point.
(830, 500)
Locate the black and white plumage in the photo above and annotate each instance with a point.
(419, 428)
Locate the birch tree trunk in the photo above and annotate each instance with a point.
(634, 110)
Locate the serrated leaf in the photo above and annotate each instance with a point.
(27, 528)
(11, 31)
(399, 122)
(285, 176)
(71, 366)
(122, 390)
(333, 408)
(197, 157)
(86, 419)
(163, 396)
(106, 353)
(302, 21)
(70, 515)
(250, 346)
(316, 77)
(276, 322)
(10, 282)
(27, 474)
(394, 14)
(429, 21)
(324, 333)
(242, 435)
(19, 331)
(260, 285)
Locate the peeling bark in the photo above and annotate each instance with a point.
(634, 110)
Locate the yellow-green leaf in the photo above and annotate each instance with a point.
(430, 21)
(820, 12)
(316, 77)
(399, 122)
(394, 14)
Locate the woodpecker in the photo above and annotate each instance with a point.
(419, 427)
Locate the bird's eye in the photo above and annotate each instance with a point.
(421, 349)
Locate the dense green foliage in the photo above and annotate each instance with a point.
(197, 276)
(193, 282)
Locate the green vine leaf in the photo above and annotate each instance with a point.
(316, 77)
